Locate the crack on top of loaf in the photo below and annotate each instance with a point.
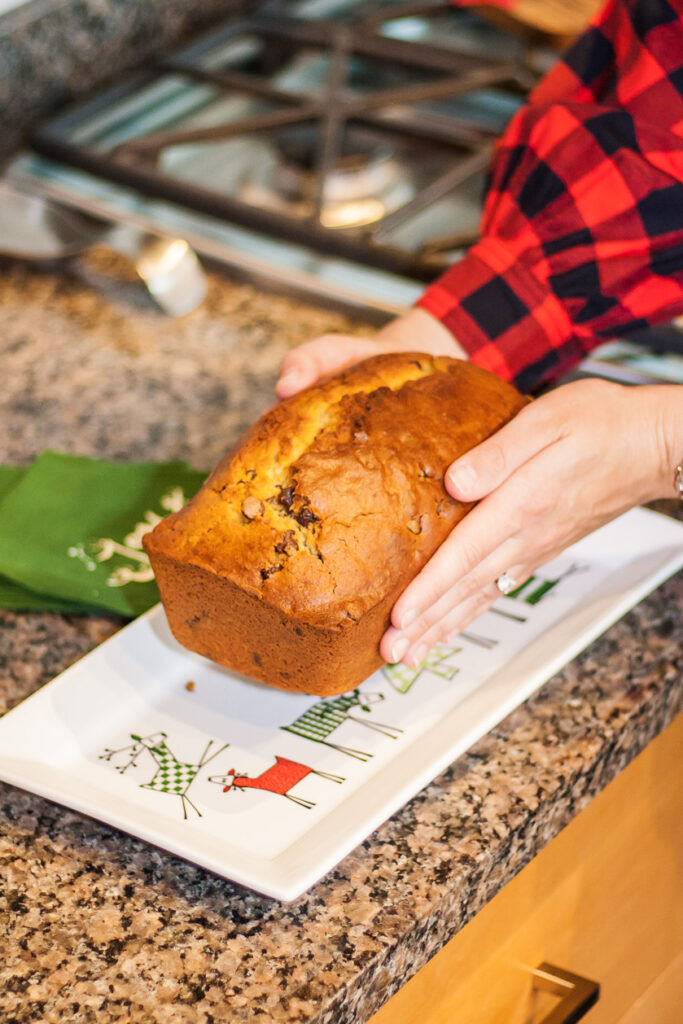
(359, 515)
(260, 493)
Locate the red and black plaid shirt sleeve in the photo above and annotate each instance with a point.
(582, 230)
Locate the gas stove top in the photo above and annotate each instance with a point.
(339, 146)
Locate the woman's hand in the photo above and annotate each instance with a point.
(415, 331)
(565, 465)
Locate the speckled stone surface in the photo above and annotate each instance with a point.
(52, 51)
(95, 926)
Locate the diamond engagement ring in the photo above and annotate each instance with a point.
(505, 583)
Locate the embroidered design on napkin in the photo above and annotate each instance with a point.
(103, 549)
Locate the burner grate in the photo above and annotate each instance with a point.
(177, 131)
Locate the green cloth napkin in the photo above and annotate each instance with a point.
(71, 531)
(12, 595)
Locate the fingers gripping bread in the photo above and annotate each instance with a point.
(286, 564)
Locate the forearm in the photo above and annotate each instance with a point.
(582, 233)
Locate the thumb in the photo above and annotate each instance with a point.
(486, 466)
(305, 364)
(297, 371)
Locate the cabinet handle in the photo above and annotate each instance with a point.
(578, 994)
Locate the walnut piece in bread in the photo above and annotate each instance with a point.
(286, 564)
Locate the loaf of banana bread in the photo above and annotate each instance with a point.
(285, 565)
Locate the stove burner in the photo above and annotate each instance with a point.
(327, 134)
(365, 183)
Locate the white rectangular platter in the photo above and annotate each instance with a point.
(272, 789)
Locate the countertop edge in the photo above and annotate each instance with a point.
(385, 977)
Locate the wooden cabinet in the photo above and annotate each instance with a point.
(604, 899)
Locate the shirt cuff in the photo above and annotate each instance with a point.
(503, 315)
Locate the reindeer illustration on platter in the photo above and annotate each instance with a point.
(403, 678)
(320, 720)
(171, 775)
(280, 779)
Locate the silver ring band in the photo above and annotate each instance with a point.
(506, 583)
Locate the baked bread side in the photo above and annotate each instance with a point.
(286, 564)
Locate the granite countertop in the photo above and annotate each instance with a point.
(96, 926)
(53, 51)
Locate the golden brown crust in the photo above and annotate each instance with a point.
(286, 564)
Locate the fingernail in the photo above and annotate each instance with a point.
(399, 649)
(290, 377)
(419, 655)
(462, 477)
(408, 617)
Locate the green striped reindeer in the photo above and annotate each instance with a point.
(320, 720)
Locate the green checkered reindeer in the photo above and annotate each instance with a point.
(402, 678)
(320, 720)
(171, 775)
